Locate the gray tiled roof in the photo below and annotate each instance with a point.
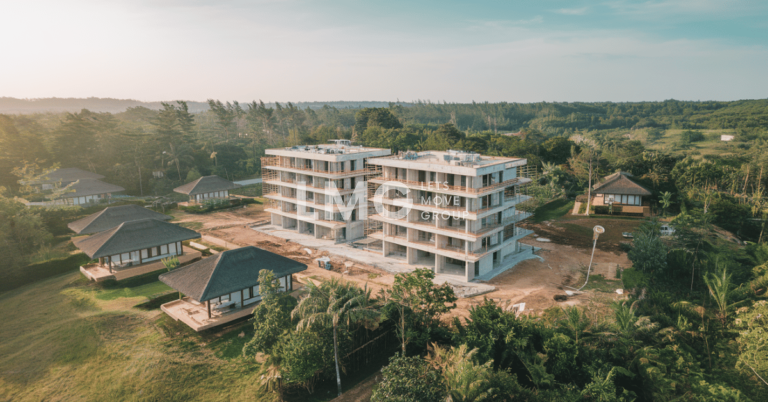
(110, 217)
(132, 236)
(66, 176)
(620, 183)
(206, 184)
(85, 187)
(228, 272)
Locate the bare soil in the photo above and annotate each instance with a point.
(578, 232)
(533, 282)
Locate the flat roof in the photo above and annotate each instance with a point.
(450, 158)
(338, 148)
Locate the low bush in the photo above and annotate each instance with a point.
(218, 205)
(43, 270)
(156, 302)
(633, 279)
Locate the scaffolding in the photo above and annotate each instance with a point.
(372, 226)
(268, 175)
(528, 171)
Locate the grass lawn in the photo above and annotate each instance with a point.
(147, 290)
(710, 146)
(601, 284)
(65, 339)
(552, 210)
(61, 342)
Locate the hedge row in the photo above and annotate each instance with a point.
(37, 272)
(205, 208)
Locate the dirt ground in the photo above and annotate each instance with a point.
(533, 282)
(577, 232)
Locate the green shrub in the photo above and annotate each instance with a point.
(43, 270)
(602, 210)
(216, 205)
(157, 301)
(633, 279)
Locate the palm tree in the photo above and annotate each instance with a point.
(575, 323)
(270, 376)
(467, 381)
(666, 201)
(334, 303)
(176, 155)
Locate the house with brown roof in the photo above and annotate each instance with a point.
(225, 287)
(207, 188)
(134, 248)
(617, 194)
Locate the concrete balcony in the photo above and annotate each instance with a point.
(318, 173)
(312, 218)
(428, 227)
(318, 189)
(440, 188)
(309, 203)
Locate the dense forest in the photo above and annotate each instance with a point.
(693, 329)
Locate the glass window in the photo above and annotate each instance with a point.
(164, 249)
(144, 253)
(247, 293)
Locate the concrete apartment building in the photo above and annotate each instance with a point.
(462, 219)
(314, 173)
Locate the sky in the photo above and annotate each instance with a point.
(354, 50)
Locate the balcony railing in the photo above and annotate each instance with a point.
(288, 165)
(438, 187)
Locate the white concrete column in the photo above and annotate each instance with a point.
(412, 255)
(469, 271)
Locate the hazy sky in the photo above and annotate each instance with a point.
(284, 50)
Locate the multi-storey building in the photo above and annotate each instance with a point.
(462, 217)
(301, 183)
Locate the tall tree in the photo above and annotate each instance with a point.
(333, 304)
(186, 119)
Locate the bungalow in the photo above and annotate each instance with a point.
(110, 217)
(220, 288)
(618, 194)
(134, 248)
(207, 188)
(60, 178)
(88, 191)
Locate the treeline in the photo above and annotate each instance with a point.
(671, 340)
(565, 118)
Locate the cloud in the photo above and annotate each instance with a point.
(572, 11)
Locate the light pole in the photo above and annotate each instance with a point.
(598, 230)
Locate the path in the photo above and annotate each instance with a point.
(248, 182)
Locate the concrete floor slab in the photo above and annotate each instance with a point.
(391, 265)
(509, 262)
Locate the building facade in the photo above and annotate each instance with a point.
(302, 183)
(462, 218)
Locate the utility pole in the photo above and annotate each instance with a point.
(589, 189)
